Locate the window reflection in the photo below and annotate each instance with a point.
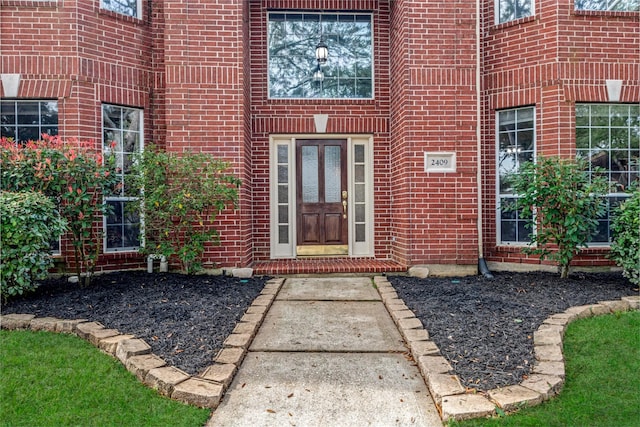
(292, 38)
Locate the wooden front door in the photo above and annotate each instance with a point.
(321, 197)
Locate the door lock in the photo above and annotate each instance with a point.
(344, 204)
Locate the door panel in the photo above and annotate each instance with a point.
(311, 225)
(321, 197)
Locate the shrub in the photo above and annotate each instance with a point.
(28, 224)
(565, 202)
(182, 194)
(625, 249)
(75, 177)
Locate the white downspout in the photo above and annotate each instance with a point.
(482, 265)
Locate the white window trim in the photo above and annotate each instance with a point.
(134, 249)
(601, 245)
(496, 12)
(288, 251)
(138, 8)
(605, 10)
(281, 250)
(373, 64)
(498, 220)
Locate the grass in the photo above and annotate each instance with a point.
(602, 388)
(61, 380)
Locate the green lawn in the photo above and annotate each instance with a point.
(56, 380)
(602, 379)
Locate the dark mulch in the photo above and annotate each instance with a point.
(185, 319)
(485, 327)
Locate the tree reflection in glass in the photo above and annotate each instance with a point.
(292, 39)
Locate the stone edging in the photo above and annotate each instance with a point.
(204, 390)
(452, 399)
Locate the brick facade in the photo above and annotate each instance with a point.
(551, 61)
(199, 71)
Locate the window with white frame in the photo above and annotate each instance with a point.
(25, 120)
(122, 137)
(516, 146)
(611, 5)
(294, 71)
(131, 8)
(608, 138)
(509, 10)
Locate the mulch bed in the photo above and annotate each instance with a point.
(483, 327)
(185, 319)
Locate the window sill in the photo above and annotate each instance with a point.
(511, 247)
(121, 251)
(598, 248)
(50, 4)
(514, 23)
(332, 101)
(601, 248)
(632, 15)
(121, 17)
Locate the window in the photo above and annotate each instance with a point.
(608, 137)
(508, 10)
(126, 7)
(292, 39)
(516, 145)
(612, 5)
(28, 120)
(122, 136)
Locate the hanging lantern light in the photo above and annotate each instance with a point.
(318, 75)
(322, 52)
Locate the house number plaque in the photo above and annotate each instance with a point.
(439, 162)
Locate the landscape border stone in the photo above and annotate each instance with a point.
(547, 375)
(453, 400)
(204, 390)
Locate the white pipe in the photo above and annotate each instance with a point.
(164, 265)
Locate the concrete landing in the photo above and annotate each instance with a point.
(339, 326)
(327, 354)
(329, 289)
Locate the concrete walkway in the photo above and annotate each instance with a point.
(327, 354)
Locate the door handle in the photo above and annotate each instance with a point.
(344, 204)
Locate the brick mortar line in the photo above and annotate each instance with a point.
(544, 382)
(204, 390)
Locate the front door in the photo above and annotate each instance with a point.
(321, 197)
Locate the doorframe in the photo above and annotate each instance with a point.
(279, 209)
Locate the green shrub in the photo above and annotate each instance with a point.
(75, 176)
(564, 201)
(182, 194)
(28, 224)
(625, 249)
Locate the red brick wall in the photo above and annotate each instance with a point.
(81, 55)
(433, 109)
(551, 61)
(278, 116)
(204, 46)
(198, 69)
